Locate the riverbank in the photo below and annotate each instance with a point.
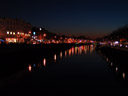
(116, 59)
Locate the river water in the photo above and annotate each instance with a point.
(80, 71)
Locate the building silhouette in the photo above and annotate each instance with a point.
(14, 30)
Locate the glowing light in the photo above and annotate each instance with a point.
(61, 54)
(123, 75)
(11, 33)
(18, 33)
(44, 35)
(7, 32)
(69, 51)
(44, 62)
(13, 40)
(22, 33)
(55, 57)
(120, 45)
(27, 34)
(116, 69)
(107, 59)
(55, 37)
(40, 29)
(34, 33)
(116, 42)
(111, 64)
(30, 68)
(72, 50)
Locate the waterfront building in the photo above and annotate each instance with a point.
(14, 30)
(41, 35)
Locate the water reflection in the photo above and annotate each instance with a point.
(80, 50)
(55, 58)
(65, 53)
(91, 48)
(44, 62)
(72, 50)
(111, 64)
(116, 69)
(85, 49)
(116, 64)
(77, 50)
(69, 51)
(61, 54)
(34, 65)
(123, 75)
(30, 68)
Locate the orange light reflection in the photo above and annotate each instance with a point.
(55, 57)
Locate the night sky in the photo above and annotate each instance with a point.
(92, 18)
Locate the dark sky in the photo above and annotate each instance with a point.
(71, 17)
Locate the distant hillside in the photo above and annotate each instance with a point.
(120, 33)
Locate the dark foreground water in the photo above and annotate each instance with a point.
(78, 71)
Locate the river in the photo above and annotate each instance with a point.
(80, 71)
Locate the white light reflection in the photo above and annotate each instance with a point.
(55, 57)
(30, 68)
(61, 54)
(107, 59)
(44, 62)
(116, 69)
(111, 64)
(123, 75)
(69, 51)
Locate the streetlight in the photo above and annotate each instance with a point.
(40, 29)
(44, 35)
(34, 33)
